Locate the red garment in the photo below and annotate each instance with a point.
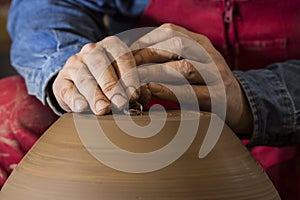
(249, 34)
(23, 119)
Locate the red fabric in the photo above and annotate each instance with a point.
(166, 104)
(23, 119)
(282, 166)
(257, 33)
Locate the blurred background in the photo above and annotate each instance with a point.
(5, 67)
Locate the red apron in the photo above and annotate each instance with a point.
(249, 34)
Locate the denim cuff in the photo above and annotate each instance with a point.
(37, 80)
(272, 107)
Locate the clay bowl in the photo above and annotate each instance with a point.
(63, 165)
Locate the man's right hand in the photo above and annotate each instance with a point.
(91, 78)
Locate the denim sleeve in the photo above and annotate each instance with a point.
(45, 33)
(273, 94)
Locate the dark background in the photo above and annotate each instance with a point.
(5, 67)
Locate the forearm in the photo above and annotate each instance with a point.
(273, 96)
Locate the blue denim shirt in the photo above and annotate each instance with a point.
(45, 33)
(274, 97)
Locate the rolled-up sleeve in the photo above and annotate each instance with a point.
(273, 94)
(45, 33)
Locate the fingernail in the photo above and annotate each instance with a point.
(102, 107)
(119, 101)
(80, 105)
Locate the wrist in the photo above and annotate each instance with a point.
(239, 116)
(244, 121)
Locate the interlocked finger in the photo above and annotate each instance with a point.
(125, 65)
(177, 72)
(183, 94)
(102, 70)
(88, 87)
(178, 46)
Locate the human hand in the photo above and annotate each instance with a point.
(91, 78)
(23, 120)
(202, 66)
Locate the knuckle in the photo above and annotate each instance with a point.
(109, 88)
(88, 47)
(110, 39)
(72, 60)
(68, 72)
(168, 26)
(187, 69)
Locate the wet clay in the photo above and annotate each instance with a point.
(60, 167)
